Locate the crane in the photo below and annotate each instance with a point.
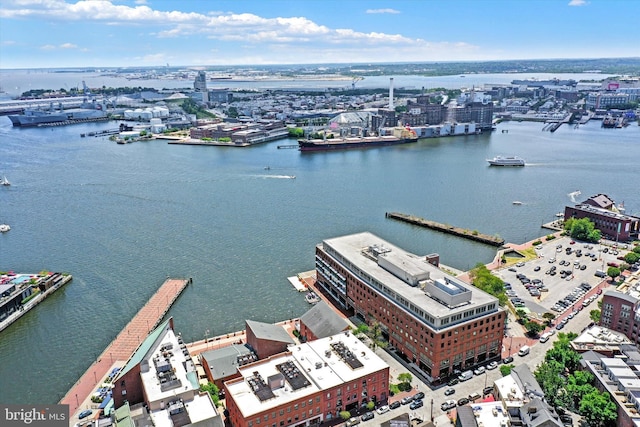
(355, 80)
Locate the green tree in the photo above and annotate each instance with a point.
(562, 353)
(582, 229)
(483, 279)
(345, 415)
(296, 132)
(549, 376)
(375, 336)
(506, 369)
(213, 391)
(405, 379)
(533, 328)
(594, 315)
(613, 272)
(636, 249)
(549, 317)
(579, 385)
(598, 409)
(370, 405)
(631, 258)
(232, 112)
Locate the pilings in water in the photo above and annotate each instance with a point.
(456, 231)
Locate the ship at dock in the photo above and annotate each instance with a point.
(400, 135)
(59, 116)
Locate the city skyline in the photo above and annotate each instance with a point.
(101, 33)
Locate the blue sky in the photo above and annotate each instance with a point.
(102, 33)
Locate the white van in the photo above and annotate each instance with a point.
(524, 351)
(466, 375)
(545, 337)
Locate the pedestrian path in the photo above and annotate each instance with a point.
(127, 341)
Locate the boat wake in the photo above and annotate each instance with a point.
(573, 195)
(276, 176)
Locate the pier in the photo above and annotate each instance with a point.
(126, 342)
(456, 231)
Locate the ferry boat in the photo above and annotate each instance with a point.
(400, 136)
(506, 161)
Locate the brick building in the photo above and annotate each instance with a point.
(612, 223)
(266, 339)
(437, 322)
(309, 384)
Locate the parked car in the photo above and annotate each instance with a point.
(85, 413)
(367, 416)
(353, 421)
(449, 404)
(463, 401)
(418, 396)
(394, 405)
(487, 390)
(449, 391)
(507, 360)
(479, 370)
(407, 400)
(453, 382)
(382, 409)
(492, 365)
(416, 404)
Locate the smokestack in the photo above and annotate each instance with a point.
(391, 93)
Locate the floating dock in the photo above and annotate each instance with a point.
(456, 231)
(127, 341)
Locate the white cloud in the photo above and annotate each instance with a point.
(392, 11)
(140, 2)
(47, 47)
(578, 3)
(68, 46)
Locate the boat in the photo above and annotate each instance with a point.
(516, 202)
(312, 298)
(4, 228)
(506, 161)
(4, 181)
(90, 111)
(559, 215)
(400, 136)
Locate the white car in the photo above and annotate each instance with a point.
(492, 365)
(479, 370)
(382, 409)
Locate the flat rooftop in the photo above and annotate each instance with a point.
(351, 249)
(304, 370)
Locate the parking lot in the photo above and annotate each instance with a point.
(558, 272)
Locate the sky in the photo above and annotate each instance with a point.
(151, 33)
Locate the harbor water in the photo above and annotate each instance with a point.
(122, 218)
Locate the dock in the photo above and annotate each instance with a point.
(126, 342)
(445, 228)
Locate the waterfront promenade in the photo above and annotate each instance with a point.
(125, 343)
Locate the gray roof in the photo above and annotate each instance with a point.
(269, 332)
(527, 382)
(620, 295)
(322, 321)
(466, 417)
(225, 361)
(538, 413)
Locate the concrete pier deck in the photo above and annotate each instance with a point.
(123, 345)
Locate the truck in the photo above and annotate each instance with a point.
(600, 273)
(466, 375)
(524, 350)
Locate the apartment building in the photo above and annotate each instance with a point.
(437, 322)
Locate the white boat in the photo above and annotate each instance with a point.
(4, 181)
(4, 228)
(516, 202)
(506, 161)
(312, 298)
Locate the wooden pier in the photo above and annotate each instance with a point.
(456, 231)
(127, 341)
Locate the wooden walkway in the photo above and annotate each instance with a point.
(127, 341)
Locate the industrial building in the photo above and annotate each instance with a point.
(437, 322)
(309, 384)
